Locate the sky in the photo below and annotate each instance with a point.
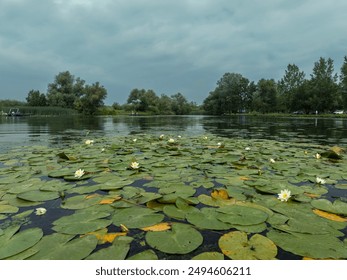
(168, 46)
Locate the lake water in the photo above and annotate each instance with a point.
(60, 130)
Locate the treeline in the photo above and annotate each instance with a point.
(324, 92)
(147, 101)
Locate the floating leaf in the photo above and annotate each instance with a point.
(12, 244)
(207, 218)
(136, 217)
(64, 247)
(105, 237)
(181, 239)
(6, 209)
(337, 207)
(117, 251)
(314, 246)
(329, 216)
(220, 194)
(158, 227)
(38, 195)
(237, 246)
(241, 215)
(145, 255)
(209, 256)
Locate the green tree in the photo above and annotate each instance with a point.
(65, 90)
(143, 101)
(289, 88)
(91, 99)
(35, 98)
(265, 99)
(343, 83)
(165, 105)
(323, 86)
(233, 94)
(180, 105)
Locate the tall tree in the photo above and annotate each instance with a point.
(65, 90)
(179, 104)
(91, 99)
(265, 100)
(289, 87)
(343, 83)
(232, 95)
(323, 86)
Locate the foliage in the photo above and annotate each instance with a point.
(35, 98)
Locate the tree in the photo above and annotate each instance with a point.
(65, 90)
(180, 105)
(343, 83)
(91, 99)
(265, 99)
(323, 86)
(289, 86)
(232, 95)
(35, 98)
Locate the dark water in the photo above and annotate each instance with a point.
(21, 131)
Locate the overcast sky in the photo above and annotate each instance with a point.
(168, 46)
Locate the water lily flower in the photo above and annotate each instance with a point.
(161, 137)
(247, 148)
(320, 180)
(179, 136)
(317, 156)
(89, 142)
(171, 141)
(205, 138)
(134, 140)
(79, 173)
(135, 165)
(103, 150)
(284, 195)
(40, 211)
(272, 160)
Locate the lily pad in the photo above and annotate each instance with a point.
(337, 207)
(237, 246)
(314, 246)
(59, 246)
(37, 195)
(181, 239)
(12, 243)
(241, 215)
(207, 218)
(209, 256)
(136, 217)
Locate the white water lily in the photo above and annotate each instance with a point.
(103, 150)
(171, 141)
(135, 165)
(79, 173)
(40, 211)
(89, 142)
(247, 148)
(134, 140)
(161, 137)
(320, 180)
(317, 156)
(272, 160)
(284, 195)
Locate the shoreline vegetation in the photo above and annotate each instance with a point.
(110, 111)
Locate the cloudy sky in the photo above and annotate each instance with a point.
(169, 46)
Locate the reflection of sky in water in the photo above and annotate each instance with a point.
(63, 130)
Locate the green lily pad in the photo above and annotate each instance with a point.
(207, 218)
(241, 215)
(12, 243)
(117, 251)
(82, 222)
(136, 217)
(6, 209)
(59, 246)
(209, 256)
(38, 195)
(181, 239)
(237, 246)
(319, 246)
(337, 207)
(145, 255)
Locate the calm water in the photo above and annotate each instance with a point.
(61, 130)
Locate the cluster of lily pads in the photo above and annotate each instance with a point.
(158, 197)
